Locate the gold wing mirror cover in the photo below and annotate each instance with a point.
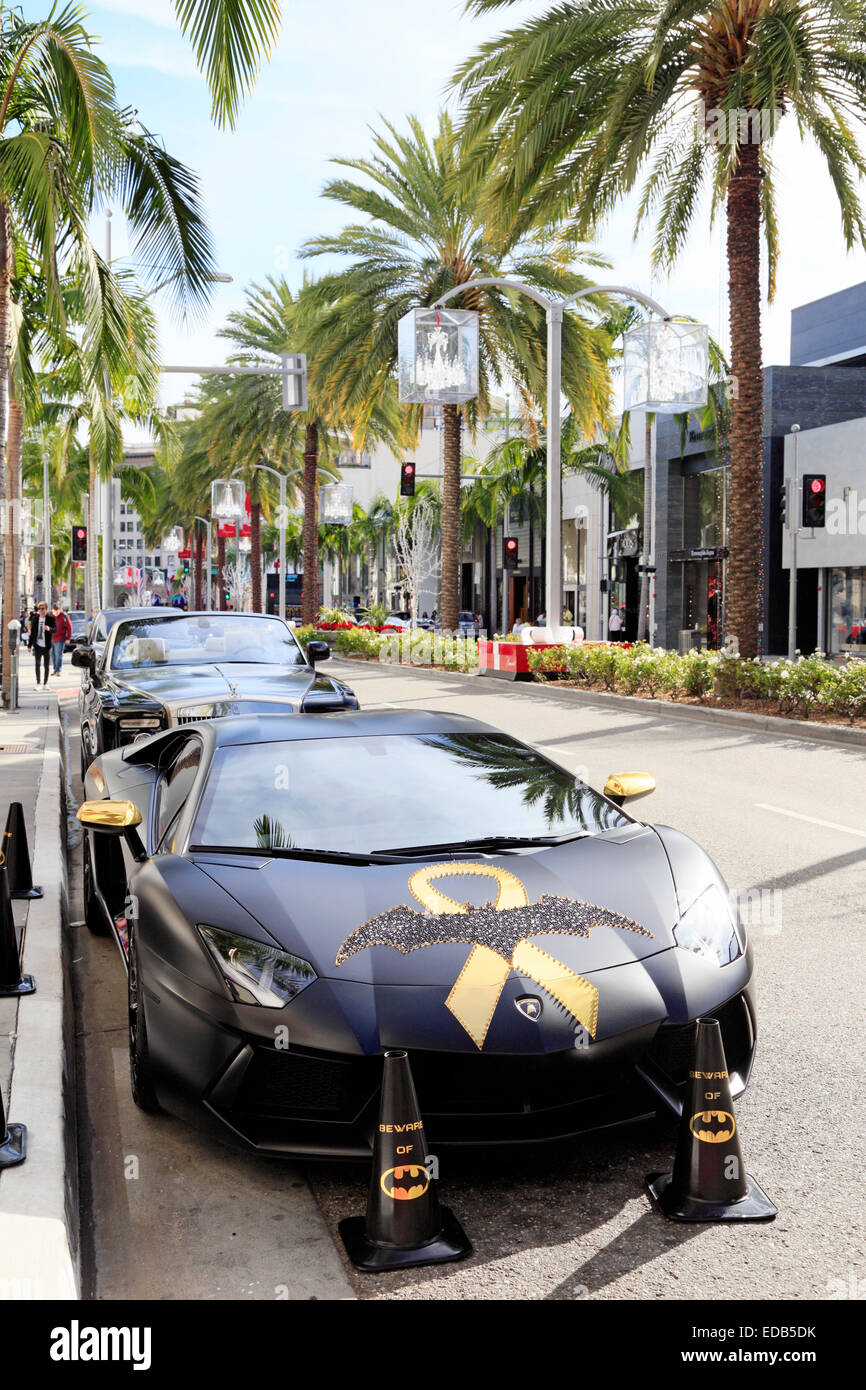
(112, 817)
(628, 786)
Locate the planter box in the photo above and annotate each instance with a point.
(508, 660)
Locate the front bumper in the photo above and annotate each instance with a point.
(227, 1069)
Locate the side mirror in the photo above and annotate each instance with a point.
(628, 786)
(84, 655)
(114, 818)
(317, 651)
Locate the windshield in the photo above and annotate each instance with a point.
(360, 795)
(143, 643)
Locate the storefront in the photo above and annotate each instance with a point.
(574, 559)
(623, 556)
(847, 611)
(700, 561)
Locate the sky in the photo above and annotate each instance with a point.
(342, 65)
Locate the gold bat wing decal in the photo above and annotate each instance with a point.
(499, 935)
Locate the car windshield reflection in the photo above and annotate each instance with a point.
(360, 795)
(202, 639)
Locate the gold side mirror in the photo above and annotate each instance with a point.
(115, 817)
(628, 786)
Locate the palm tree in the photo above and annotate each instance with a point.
(275, 321)
(66, 147)
(425, 230)
(575, 107)
(230, 38)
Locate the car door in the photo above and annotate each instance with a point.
(89, 700)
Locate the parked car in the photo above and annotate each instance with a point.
(159, 668)
(467, 624)
(539, 953)
(79, 623)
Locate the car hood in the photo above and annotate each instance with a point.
(222, 681)
(598, 902)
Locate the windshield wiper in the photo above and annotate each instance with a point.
(485, 842)
(337, 856)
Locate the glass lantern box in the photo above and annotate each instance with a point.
(666, 366)
(437, 356)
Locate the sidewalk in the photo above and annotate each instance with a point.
(36, 1253)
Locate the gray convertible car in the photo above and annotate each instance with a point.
(158, 669)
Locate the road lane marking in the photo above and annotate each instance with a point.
(813, 820)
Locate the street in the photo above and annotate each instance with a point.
(167, 1214)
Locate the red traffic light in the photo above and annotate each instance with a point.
(407, 480)
(81, 533)
(817, 485)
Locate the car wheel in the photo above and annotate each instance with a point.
(93, 914)
(140, 1071)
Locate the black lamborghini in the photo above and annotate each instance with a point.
(294, 895)
(158, 667)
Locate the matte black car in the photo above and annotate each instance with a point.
(160, 668)
(294, 895)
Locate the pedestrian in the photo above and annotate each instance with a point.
(59, 638)
(40, 629)
(615, 625)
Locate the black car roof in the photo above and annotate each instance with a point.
(277, 728)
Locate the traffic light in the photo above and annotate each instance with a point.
(509, 552)
(783, 505)
(79, 544)
(407, 480)
(814, 499)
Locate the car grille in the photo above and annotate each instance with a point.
(672, 1050)
(292, 1084)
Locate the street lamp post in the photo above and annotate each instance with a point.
(554, 312)
(46, 525)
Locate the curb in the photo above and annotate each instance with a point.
(728, 718)
(37, 1201)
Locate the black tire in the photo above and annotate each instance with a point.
(140, 1070)
(93, 913)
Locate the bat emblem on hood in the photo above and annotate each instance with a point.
(499, 935)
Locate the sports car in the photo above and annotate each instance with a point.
(294, 895)
(160, 667)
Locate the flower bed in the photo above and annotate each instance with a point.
(418, 648)
(808, 688)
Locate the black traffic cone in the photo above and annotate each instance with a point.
(709, 1182)
(15, 856)
(13, 1140)
(12, 982)
(404, 1225)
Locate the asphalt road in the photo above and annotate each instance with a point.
(785, 819)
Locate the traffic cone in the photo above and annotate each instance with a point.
(404, 1225)
(13, 1140)
(15, 856)
(709, 1182)
(12, 982)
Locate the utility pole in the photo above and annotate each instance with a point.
(793, 527)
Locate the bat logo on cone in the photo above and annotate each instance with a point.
(405, 1183)
(713, 1126)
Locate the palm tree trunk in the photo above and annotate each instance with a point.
(221, 575)
(6, 497)
(310, 601)
(256, 554)
(643, 632)
(745, 599)
(532, 611)
(451, 519)
(491, 580)
(15, 484)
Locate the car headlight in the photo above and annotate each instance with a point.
(208, 711)
(255, 973)
(709, 928)
(148, 723)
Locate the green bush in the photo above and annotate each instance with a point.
(798, 687)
